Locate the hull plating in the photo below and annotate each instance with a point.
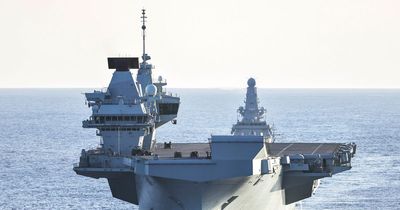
(253, 192)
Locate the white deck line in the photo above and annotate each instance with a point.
(284, 149)
(320, 145)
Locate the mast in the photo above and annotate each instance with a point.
(144, 77)
(251, 111)
(144, 34)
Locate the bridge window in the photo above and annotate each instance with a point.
(168, 108)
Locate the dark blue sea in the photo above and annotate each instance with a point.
(41, 137)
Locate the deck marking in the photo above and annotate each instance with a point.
(284, 149)
(320, 145)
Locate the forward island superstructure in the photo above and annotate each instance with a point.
(240, 171)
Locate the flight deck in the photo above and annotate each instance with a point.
(274, 149)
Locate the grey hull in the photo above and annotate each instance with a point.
(253, 192)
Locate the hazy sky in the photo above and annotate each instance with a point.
(205, 43)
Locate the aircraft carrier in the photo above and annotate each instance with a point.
(245, 170)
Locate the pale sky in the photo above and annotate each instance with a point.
(205, 43)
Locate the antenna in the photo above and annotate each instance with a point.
(144, 33)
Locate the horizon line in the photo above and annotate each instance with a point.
(223, 88)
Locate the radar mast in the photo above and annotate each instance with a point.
(145, 57)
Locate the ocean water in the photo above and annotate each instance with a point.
(41, 137)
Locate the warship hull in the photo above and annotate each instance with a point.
(170, 183)
(253, 192)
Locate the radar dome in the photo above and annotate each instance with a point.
(151, 90)
(251, 82)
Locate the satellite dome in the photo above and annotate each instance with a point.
(151, 90)
(251, 82)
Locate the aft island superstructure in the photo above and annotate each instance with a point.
(240, 171)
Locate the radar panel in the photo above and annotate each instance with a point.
(123, 64)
